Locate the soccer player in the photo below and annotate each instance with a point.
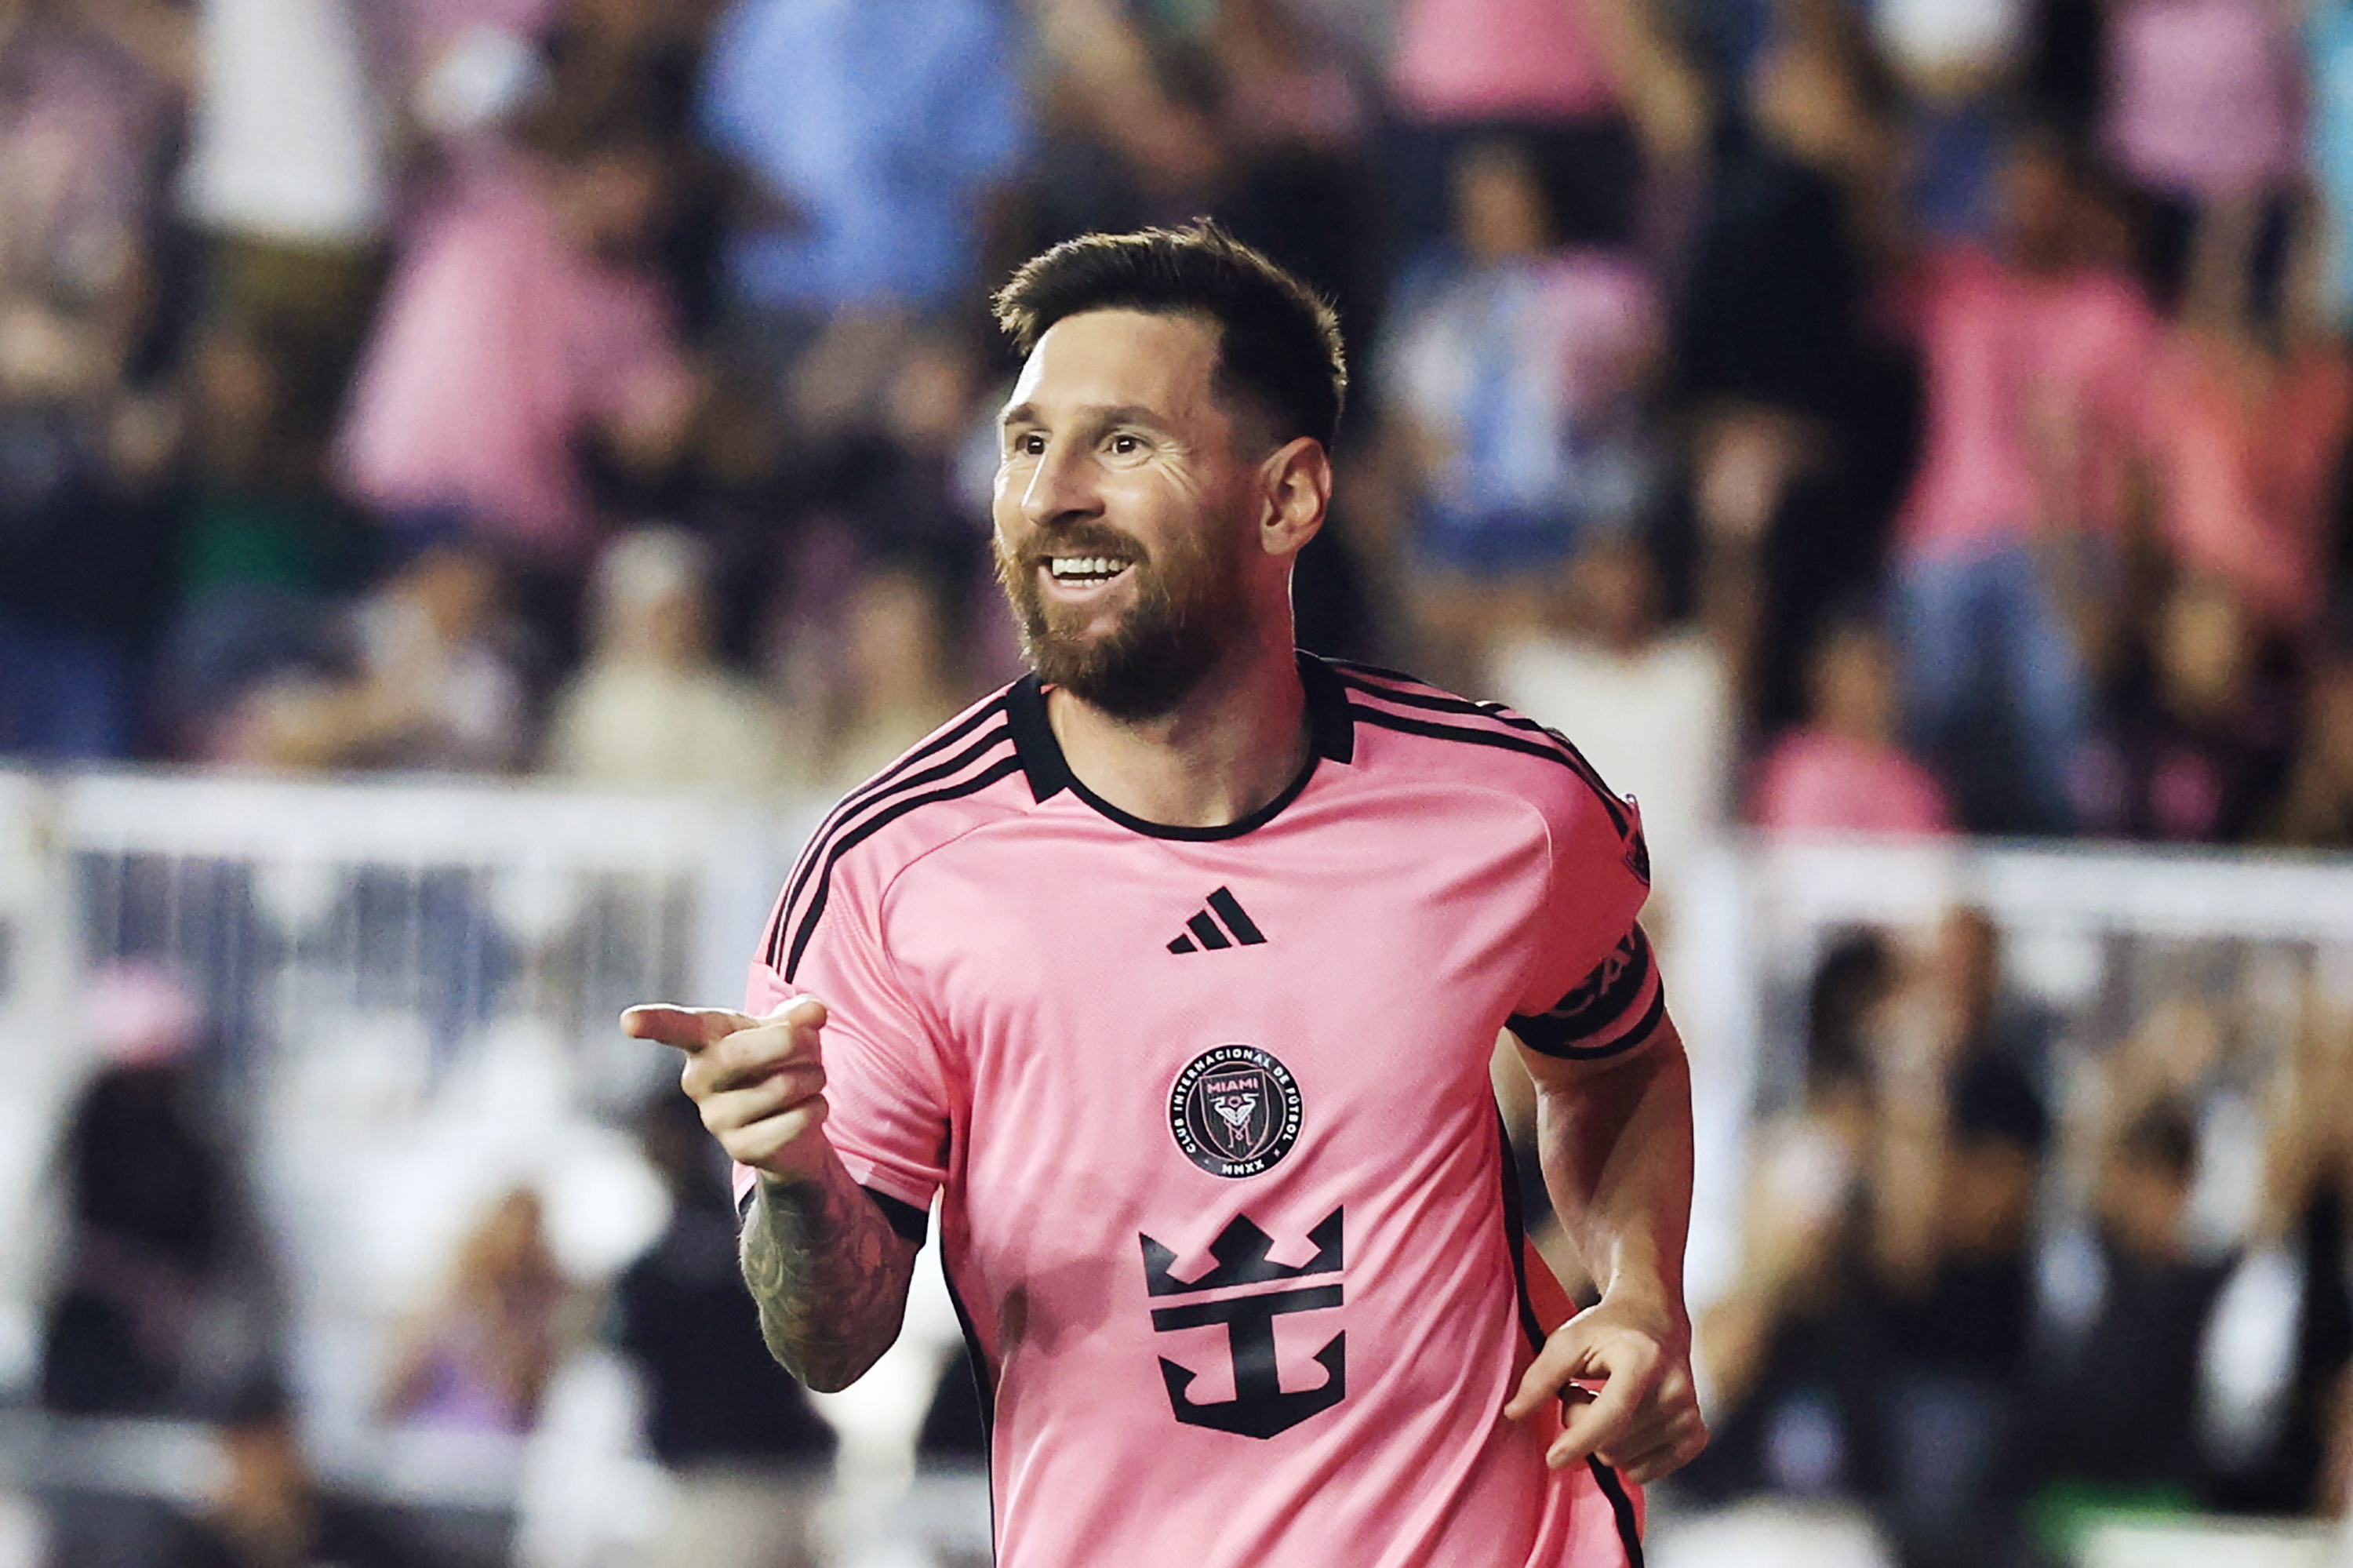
(1173, 972)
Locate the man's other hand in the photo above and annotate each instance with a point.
(1624, 1371)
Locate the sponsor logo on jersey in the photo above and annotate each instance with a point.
(1235, 1110)
(1222, 923)
(1261, 1406)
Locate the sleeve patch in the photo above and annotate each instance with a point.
(1612, 1010)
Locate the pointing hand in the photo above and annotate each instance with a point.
(758, 1082)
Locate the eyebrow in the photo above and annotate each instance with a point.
(1095, 419)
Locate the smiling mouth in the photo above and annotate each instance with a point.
(1085, 571)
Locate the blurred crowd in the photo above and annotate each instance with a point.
(2010, 1272)
(171, 1298)
(1904, 414)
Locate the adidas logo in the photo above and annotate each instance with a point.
(1209, 935)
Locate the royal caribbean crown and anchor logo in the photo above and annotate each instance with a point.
(1235, 1110)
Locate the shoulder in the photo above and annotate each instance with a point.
(962, 776)
(1405, 725)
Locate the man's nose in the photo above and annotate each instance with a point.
(1061, 486)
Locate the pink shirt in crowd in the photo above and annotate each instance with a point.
(2008, 356)
(433, 23)
(1500, 59)
(2246, 450)
(2204, 96)
(500, 342)
(1815, 781)
(80, 126)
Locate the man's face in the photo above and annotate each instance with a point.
(1124, 511)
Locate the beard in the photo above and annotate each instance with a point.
(1189, 611)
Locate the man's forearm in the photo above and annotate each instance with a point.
(830, 1275)
(1615, 1147)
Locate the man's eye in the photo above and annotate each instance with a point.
(1126, 445)
(1030, 444)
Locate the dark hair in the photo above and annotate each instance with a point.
(1852, 977)
(1993, 1102)
(2165, 1135)
(1278, 341)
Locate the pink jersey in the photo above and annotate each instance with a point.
(2007, 354)
(1224, 1199)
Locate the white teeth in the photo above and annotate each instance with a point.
(1086, 566)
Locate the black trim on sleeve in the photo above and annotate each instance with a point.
(909, 1223)
(806, 925)
(1531, 738)
(817, 856)
(913, 1225)
(1594, 1005)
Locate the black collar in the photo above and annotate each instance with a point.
(1332, 734)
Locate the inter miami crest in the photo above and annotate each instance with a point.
(1235, 1110)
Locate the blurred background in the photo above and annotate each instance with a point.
(475, 476)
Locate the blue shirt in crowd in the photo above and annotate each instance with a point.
(882, 123)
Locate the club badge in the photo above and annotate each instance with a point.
(1235, 1111)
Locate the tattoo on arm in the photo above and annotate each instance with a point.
(830, 1275)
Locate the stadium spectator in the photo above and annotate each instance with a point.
(1650, 696)
(89, 110)
(899, 665)
(1786, 1376)
(2276, 1366)
(2204, 105)
(520, 321)
(873, 138)
(1799, 414)
(1595, 88)
(266, 551)
(2204, 724)
(429, 677)
(2246, 429)
(1844, 770)
(2036, 359)
(2114, 1423)
(1514, 380)
(1294, 120)
(733, 1429)
(1959, 1059)
(269, 1509)
(2315, 804)
(479, 1358)
(1958, 64)
(166, 1300)
(652, 707)
(289, 171)
(1957, 1173)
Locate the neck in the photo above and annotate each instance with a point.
(1236, 742)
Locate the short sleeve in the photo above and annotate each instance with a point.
(887, 1108)
(1594, 989)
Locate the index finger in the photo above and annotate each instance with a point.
(689, 1029)
(1587, 1428)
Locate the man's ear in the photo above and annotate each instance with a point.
(1297, 480)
